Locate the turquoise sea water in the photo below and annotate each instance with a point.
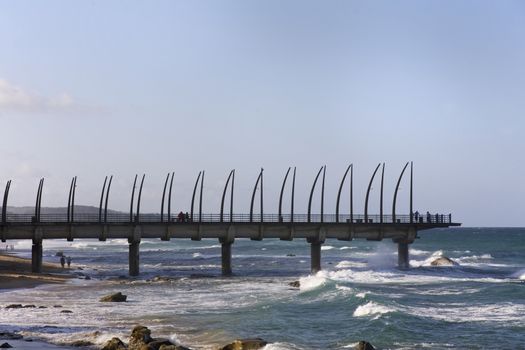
(360, 294)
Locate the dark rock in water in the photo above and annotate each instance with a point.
(114, 344)
(57, 306)
(80, 343)
(117, 297)
(290, 254)
(5, 346)
(364, 345)
(59, 254)
(157, 343)
(140, 336)
(66, 312)
(295, 284)
(246, 344)
(444, 261)
(14, 306)
(10, 336)
(173, 347)
(87, 277)
(79, 268)
(29, 306)
(42, 307)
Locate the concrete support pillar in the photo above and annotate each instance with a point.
(315, 255)
(226, 258)
(134, 258)
(402, 255)
(36, 257)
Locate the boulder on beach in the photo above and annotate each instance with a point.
(10, 336)
(443, 261)
(364, 345)
(116, 297)
(114, 344)
(246, 344)
(158, 343)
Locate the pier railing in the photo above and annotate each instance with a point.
(122, 218)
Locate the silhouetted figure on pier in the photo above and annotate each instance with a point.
(429, 217)
(180, 217)
(187, 217)
(416, 216)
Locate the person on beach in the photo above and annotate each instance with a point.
(68, 260)
(62, 261)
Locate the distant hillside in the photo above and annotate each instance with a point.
(79, 209)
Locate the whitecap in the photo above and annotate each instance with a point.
(362, 295)
(327, 247)
(346, 247)
(312, 282)
(371, 309)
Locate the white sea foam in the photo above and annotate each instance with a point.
(346, 264)
(372, 309)
(280, 346)
(362, 295)
(327, 247)
(347, 247)
(197, 255)
(312, 281)
(457, 312)
(418, 252)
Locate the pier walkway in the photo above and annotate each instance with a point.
(226, 227)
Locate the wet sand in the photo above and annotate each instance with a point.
(15, 272)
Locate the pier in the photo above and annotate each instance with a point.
(314, 228)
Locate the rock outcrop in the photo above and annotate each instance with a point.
(140, 336)
(443, 261)
(80, 343)
(5, 346)
(246, 344)
(114, 344)
(364, 345)
(295, 284)
(117, 298)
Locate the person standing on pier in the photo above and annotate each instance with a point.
(180, 217)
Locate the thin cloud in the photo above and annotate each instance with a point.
(16, 99)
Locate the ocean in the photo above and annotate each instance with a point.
(359, 295)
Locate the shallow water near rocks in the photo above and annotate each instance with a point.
(360, 294)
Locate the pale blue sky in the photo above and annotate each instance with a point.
(91, 88)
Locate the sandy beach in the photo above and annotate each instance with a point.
(15, 272)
